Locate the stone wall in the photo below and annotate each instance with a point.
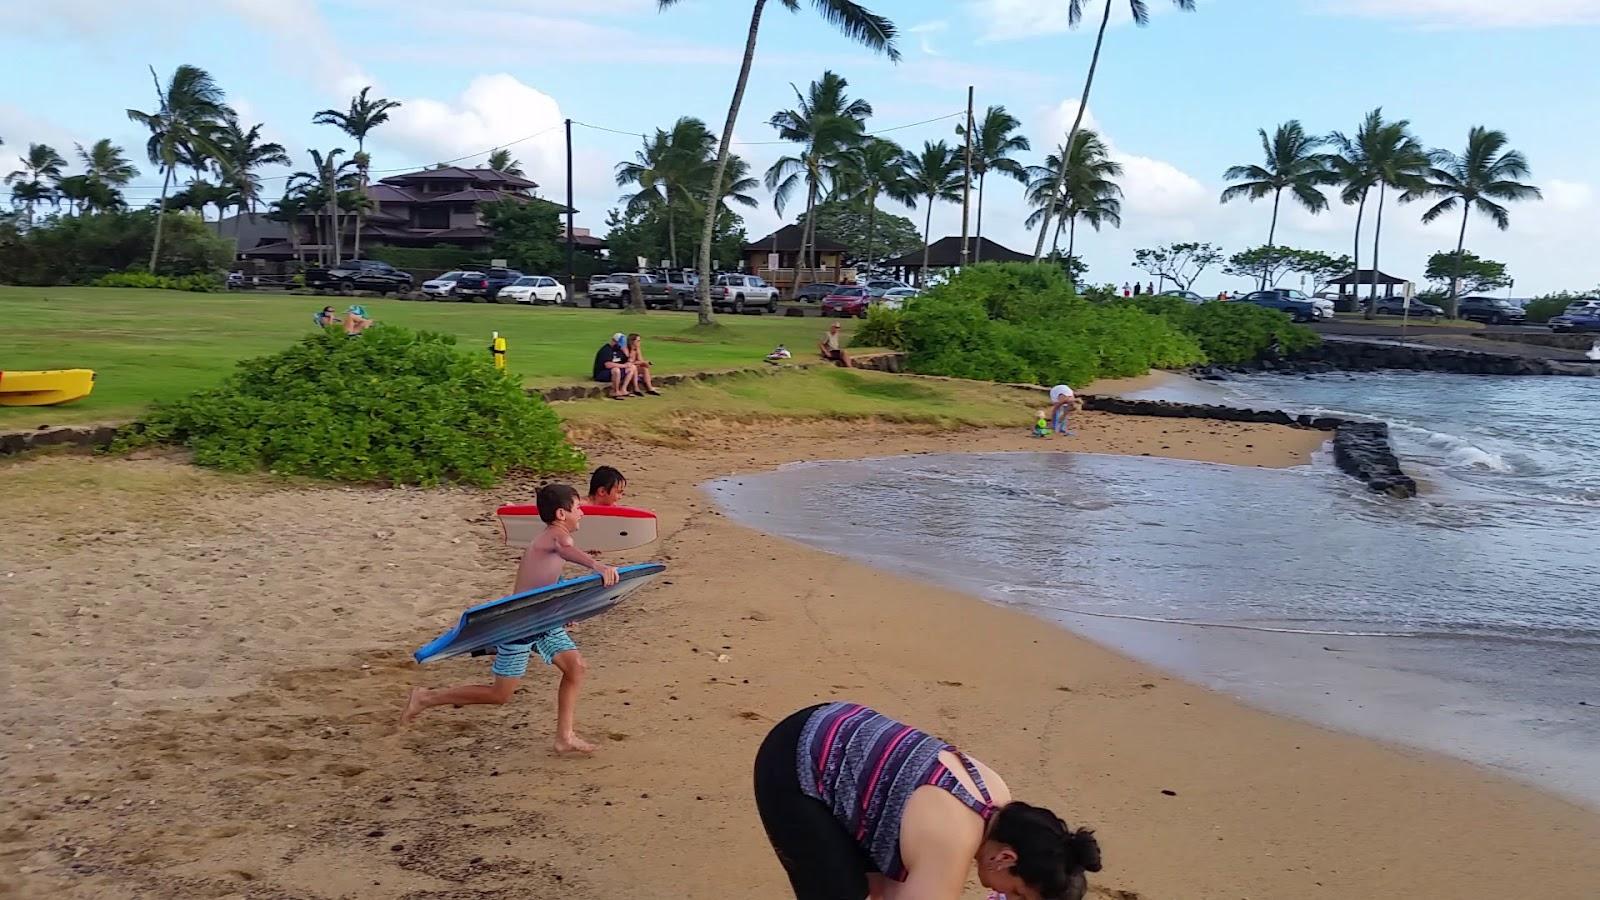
(1579, 343)
(81, 436)
(1371, 356)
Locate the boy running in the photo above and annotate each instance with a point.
(541, 565)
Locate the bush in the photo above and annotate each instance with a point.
(137, 279)
(80, 249)
(1229, 333)
(1540, 309)
(883, 328)
(442, 258)
(388, 406)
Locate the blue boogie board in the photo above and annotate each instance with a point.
(513, 619)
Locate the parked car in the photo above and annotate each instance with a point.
(487, 285)
(813, 293)
(877, 286)
(1492, 310)
(1299, 307)
(674, 289)
(1186, 296)
(445, 285)
(743, 292)
(534, 289)
(1577, 319)
(1397, 306)
(615, 291)
(849, 300)
(360, 275)
(896, 298)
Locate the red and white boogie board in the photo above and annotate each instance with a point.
(604, 529)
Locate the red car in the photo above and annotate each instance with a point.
(847, 300)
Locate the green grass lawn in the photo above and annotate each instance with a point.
(158, 345)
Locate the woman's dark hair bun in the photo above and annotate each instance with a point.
(1083, 849)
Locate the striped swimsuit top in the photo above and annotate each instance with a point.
(864, 767)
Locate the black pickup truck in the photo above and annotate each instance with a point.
(482, 287)
(360, 275)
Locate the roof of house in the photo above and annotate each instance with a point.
(787, 239)
(455, 173)
(1364, 276)
(390, 193)
(946, 252)
(252, 230)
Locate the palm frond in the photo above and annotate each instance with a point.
(860, 24)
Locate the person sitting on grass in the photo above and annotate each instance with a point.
(325, 317)
(611, 367)
(356, 321)
(641, 367)
(830, 349)
(606, 487)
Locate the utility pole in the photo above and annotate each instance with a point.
(966, 183)
(572, 279)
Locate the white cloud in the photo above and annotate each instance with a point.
(1052, 124)
(925, 33)
(493, 110)
(303, 35)
(1004, 20)
(1155, 188)
(1474, 13)
(1567, 196)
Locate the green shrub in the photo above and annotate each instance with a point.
(1229, 333)
(441, 258)
(883, 328)
(79, 249)
(137, 279)
(387, 406)
(1540, 309)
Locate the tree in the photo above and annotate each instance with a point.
(1140, 10)
(1091, 195)
(107, 171)
(1182, 263)
(1270, 264)
(245, 153)
(1398, 161)
(1464, 272)
(188, 109)
(668, 169)
(358, 121)
(502, 161)
(871, 235)
(871, 169)
(1292, 163)
(1355, 172)
(1321, 268)
(1486, 172)
(328, 176)
(527, 234)
(993, 141)
(934, 174)
(857, 22)
(826, 124)
(40, 165)
(288, 209)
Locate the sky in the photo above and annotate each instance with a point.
(1178, 101)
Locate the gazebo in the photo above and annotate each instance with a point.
(945, 253)
(1364, 278)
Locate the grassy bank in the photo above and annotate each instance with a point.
(159, 345)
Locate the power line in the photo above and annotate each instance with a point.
(766, 143)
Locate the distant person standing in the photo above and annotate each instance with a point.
(1127, 291)
(1151, 289)
(1136, 288)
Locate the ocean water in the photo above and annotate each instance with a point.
(1466, 621)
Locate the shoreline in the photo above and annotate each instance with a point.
(245, 743)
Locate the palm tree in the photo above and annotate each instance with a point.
(323, 183)
(1398, 161)
(1093, 196)
(1140, 9)
(1353, 170)
(41, 164)
(857, 22)
(291, 206)
(871, 169)
(187, 110)
(108, 172)
(934, 174)
(993, 141)
(826, 123)
(502, 161)
(357, 121)
(669, 167)
(246, 152)
(1292, 164)
(1486, 172)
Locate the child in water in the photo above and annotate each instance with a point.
(541, 565)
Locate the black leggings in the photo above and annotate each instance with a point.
(823, 860)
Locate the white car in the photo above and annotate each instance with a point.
(896, 298)
(615, 290)
(878, 287)
(534, 289)
(743, 292)
(445, 285)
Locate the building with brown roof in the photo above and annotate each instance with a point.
(776, 258)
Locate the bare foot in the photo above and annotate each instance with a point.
(413, 706)
(573, 744)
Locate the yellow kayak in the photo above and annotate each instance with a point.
(45, 388)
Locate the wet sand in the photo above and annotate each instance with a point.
(203, 675)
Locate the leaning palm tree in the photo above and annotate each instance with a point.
(669, 166)
(994, 139)
(1486, 172)
(1353, 171)
(872, 169)
(245, 153)
(1398, 161)
(41, 167)
(857, 22)
(1092, 194)
(502, 161)
(358, 121)
(934, 174)
(188, 108)
(1140, 10)
(826, 123)
(1291, 163)
(108, 172)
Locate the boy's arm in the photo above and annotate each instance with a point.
(569, 551)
